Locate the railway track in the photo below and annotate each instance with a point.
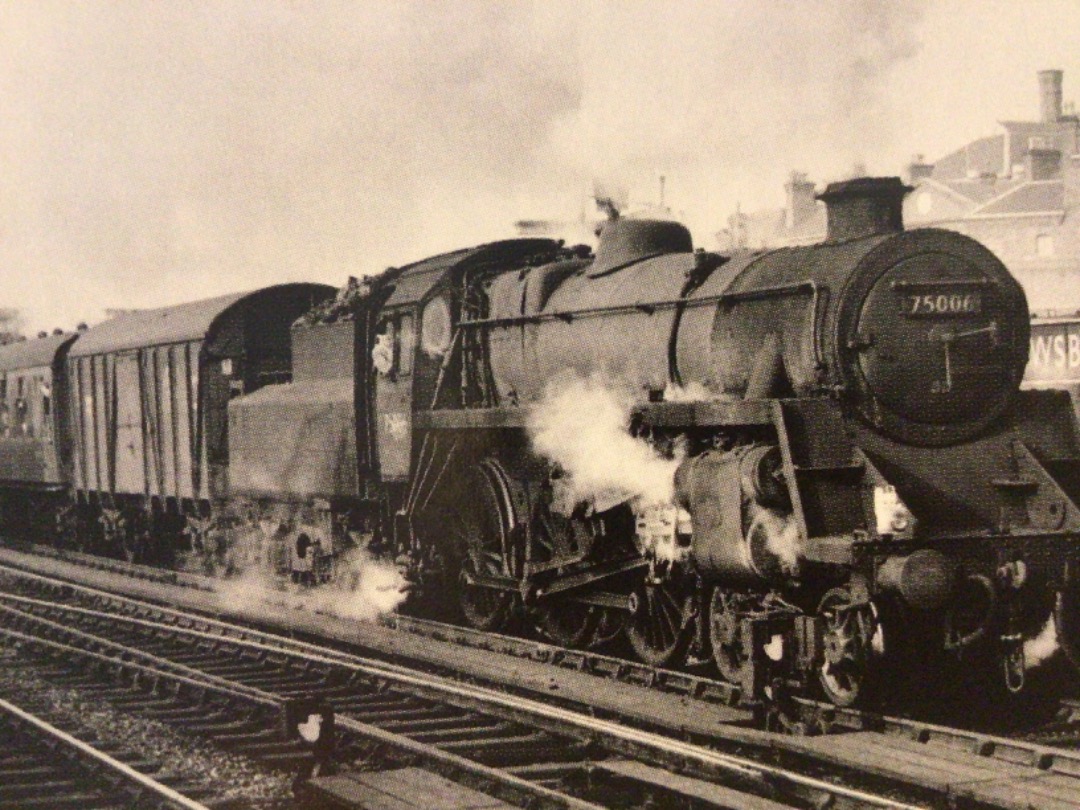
(45, 766)
(506, 745)
(801, 715)
(918, 753)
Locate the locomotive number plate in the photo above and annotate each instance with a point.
(940, 303)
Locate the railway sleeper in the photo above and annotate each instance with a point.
(227, 725)
(458, 733)
(376, 709)
(278, 683)
(79, 801)
(288, 761)
(376, 703)
(510, 749)
(180, 712)
(556, 771)
(261, 750)
(136, 701)
(33, 787)
(27, 772)
(409, 727)
(667, 788)
(418, 713)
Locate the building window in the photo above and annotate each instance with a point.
(1044, 245)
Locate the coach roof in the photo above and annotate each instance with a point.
(177, 324)
(33, 353)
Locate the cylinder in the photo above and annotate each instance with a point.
(743, 529)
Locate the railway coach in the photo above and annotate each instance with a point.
(147, 398)
(35, 452)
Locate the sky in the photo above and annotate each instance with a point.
(153, 153)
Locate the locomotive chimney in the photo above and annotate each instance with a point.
(1050, 95)
(865, 206)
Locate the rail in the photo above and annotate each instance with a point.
(146, 789)
(612, 736)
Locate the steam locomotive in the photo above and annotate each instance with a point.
(852, 477)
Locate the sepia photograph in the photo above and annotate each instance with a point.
(484, 404)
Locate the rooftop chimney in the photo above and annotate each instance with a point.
(1050, 95)
(801, 203)
(919, 169)
(1043, 162)
(865, 206)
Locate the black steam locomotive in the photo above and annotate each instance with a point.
(854, 478)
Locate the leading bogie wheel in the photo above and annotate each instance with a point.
(731, 654)
(848, 628)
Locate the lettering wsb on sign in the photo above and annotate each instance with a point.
(1055, 351)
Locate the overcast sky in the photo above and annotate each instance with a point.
(156, 152)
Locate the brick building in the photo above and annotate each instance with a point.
(1017, 191)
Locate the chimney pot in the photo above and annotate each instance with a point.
(1043, 163)
(919, 169)
(1050, 96)
(801, 203)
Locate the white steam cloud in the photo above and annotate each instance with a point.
(781, 536)
(581, 424)
(1039, 649)
(362, 587)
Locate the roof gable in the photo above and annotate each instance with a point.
(1033, 197)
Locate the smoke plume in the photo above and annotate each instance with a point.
(581, 424)
(157, 152)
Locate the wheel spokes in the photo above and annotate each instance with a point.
(481, 534)
(848, 628)
(658, 629)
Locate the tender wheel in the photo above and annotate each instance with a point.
(848, 628)
(480, 529)
(660, 629)
(730, 653)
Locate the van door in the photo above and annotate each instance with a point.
(130, 470)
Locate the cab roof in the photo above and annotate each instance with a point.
(413, 282)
